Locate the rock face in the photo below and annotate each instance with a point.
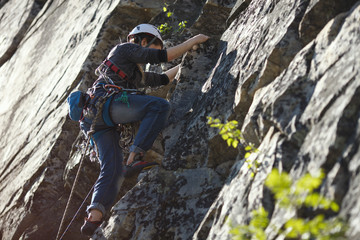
(286, 70)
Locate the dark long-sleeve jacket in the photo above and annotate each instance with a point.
(127, 56)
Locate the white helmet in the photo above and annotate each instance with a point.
(146, 28)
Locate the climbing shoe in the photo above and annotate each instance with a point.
(89, 227)
(136, 167)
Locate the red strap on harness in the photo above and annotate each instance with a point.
(116, 69)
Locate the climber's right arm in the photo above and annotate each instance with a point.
(179, 50)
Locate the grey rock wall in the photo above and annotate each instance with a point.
(287, 71)
(306, 119)
(45, 55)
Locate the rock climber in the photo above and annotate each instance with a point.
(122, 68)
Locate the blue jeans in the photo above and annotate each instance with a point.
(153, 113)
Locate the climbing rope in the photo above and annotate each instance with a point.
(71, 193)
(77, 212)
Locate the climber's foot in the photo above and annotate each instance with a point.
(137, 166)
(89, 227)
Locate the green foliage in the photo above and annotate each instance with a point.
(280, 185)
(168, 26)
(253, 165)
(295, 195)
(256, 227)
(233, 136)
(168, 13)
(316, 228)
(249, 150)
(288, 194)
(228, 131)
(165, 28)
(302, 193)
(182, 26)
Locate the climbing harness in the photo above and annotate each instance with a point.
(117, 70)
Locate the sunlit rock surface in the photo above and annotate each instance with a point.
(287, 71)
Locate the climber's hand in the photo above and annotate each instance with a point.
(200, 38)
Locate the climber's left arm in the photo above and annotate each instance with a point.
(171, 73)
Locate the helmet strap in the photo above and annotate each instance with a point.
(151, 42)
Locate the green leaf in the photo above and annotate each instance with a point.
(237, 132)
(164, 9)
(234, 231)
(296, 227)
(325, 203)
(215, 125)
(225, 136)
(235, 143)
(229, 141)
(277, 180)
(260, 235)
(247, 155)
(316, 224)
(280, 185)
(307, 183)
(259, 218)
(334, 206)
(169, 14)
(312, 200)
(248, 148)
(233, 124)
(182, 24)
(223, 131)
